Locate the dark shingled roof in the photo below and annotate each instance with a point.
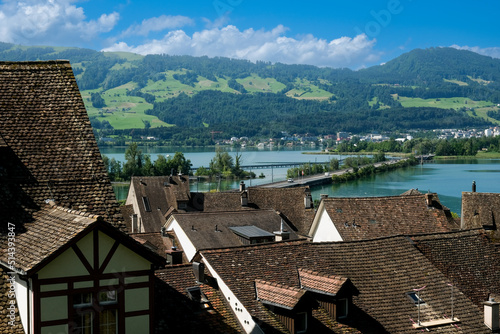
(467, 258)
(48, 140)
(52, 228)
(163, 193)
(50, 233)
(382, 271)
(359, 218)
(481, 210)
(289, 201)
(201, 230)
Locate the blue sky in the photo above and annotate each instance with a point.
(333, 33)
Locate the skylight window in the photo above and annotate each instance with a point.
(147, 206)
(415, 298)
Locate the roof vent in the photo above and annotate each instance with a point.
(199, 272)
(473, 186)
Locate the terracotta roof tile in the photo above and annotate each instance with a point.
(312, 280)
(176, 313)
(277, 294)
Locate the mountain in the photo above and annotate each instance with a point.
(434, 65)
(185, 100)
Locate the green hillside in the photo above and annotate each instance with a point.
(182, 98)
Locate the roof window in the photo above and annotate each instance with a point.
(413, 296)
(147, 206)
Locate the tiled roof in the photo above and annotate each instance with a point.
(278, 295)
(468, 260)
(314, 281)
(212, 230)
(361, 218)
(176, 313)
(382, 271)
(52, 228)
(289, 201)
(49, 137)
(481, 210)
(162, 192)
(411, 192)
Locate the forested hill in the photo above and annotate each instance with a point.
(183, 97)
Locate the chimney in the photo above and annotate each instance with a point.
(134, 223)
(174, 255)
(308, 199)
(242, 186)
(282, 234)
(473, 186)
(199, 272)
(244, 198)
(163, 231)
(428, 199)
(491, 318)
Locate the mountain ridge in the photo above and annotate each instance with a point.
(128, 94)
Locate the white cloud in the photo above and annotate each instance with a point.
(53, 21)
(268, 45)
(492, 52)
(160, 23)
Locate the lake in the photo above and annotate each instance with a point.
(447, 178)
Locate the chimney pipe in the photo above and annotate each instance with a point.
(308, 199)
(491, 318)
(242, 186)
(134, 223)
(473, 186)
(428, 199)
(244, 198)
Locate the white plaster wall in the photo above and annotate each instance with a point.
(186, 244)
(326, 230)
(22, 292)
(243, 316)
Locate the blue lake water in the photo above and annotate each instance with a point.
(447, 178)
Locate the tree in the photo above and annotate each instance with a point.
(134, 161)
(97, 100)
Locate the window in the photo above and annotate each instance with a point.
(147, 206)
(414, 298)
(342, 308)
(108, 322)
(86, 314)
(301, 322)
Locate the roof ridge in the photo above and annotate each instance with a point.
(38, 62)
(72, 211)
